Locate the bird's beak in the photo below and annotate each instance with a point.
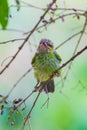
(50, 48)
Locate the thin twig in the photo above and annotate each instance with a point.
(71, 9)
(57, 8)
(13, 40)
(56, 19)
(78, 42)
(5, 60)
(23, 76)
(79, 81)
(5, 97)
(73, 57)
(61, 44)
(13, 30)
(30, 5)
(46, 102)
(29, 124)
(28, 115)
(25, 99)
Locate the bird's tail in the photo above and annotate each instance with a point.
(49, 87)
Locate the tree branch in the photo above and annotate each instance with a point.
(72, 58)
(19, 81)
(78, 42)
(13, 40)
(28, 115)
(61, 44)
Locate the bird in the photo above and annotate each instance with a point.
(45, 62)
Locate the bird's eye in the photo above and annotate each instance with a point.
(42, 42)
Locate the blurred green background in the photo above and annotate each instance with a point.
(66, 110)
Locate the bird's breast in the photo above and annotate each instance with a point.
(45, 65)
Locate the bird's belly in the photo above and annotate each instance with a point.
(45, 67)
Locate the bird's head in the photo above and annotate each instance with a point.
(45, 45)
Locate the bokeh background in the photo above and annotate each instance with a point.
(66, 110)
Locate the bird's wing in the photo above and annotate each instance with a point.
(59, 59)
(33, 60)
(57, 56)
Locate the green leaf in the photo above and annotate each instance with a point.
(4, 11)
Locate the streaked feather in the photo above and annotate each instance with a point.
(44, 65)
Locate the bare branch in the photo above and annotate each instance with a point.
(5, 60)
(72, 58)
(28, 115)
(13, 30)
(19, 80)
(61, 44)
(78, 42)
(46, 102)
(25, 99)
(53, 21)
(71, 9)
(13, 40)
(30, 5)
(82, 32)
(78, 81)
(57, 8)
(29, 124)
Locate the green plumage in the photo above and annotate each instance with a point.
(45, 64)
